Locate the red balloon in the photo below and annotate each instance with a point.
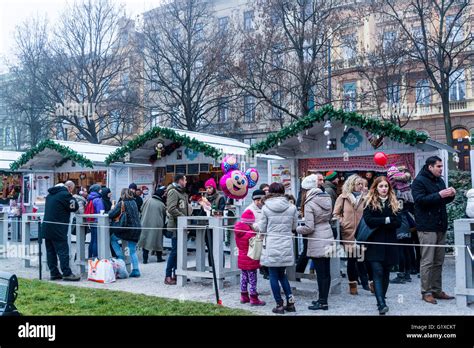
(380, 159)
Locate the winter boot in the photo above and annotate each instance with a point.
(318, 305)
(244, 297)
(290, 304)
(279, 309)
(135, 273)
(399, 279)
(353, 288)
(159, 256)
(407, 277)
(145, 256)
(255, 301)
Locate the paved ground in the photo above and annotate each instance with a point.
(402, 299)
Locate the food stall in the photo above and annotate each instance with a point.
(334, 140)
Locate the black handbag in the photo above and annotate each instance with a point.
(363, 231)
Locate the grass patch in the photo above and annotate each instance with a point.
(44, 298)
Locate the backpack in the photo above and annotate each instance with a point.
(89, 209)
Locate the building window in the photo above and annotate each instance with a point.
(457, 86)
(453, 29)
(223, 24)
(277, 100)
(388, 39)
(250, 141)
(349, 47)
(418, 37)
(248, 20)
(423, 93)
(223, 110)
(393, 93)
(249, 108)
(349, 91)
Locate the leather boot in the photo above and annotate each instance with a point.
(145, 256)
(353, 288)
(279, 309)
(159, 256)
(244, 297)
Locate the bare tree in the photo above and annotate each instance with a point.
(89, 71)
(23, 93)
(437, 33)
(184, 55)
(285, 55)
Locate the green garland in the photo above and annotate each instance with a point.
(369, 124)
(66, 152)
(167, 133)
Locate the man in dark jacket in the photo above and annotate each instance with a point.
(133, 187)
(431, 196)
(331, 180)
(58, 208)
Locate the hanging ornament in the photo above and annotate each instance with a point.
(345, 156)
(327, 147)
(456, 158)
(300, 138)
(307, 132)
(328, 124)
(375, 140)
(326, 133)
(345, 128)
(159, 149)
(279, 143)
(329, 142)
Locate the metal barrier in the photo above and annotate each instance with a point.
(218, 227)
(3, 232)
(464, 235)
(27, 220)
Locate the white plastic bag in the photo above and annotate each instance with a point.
(101, 271)
(120, 268)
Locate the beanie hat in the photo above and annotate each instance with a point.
(248, 217)
(392, 172)
(258, 194)
(310, 182)
(95, 188)
(211, 182)
(133, 186)
(331, 175)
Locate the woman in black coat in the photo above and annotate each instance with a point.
(129, 207)
(381, 213)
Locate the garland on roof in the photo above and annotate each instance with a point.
(385, 129)
(167, 133)
(66, 152)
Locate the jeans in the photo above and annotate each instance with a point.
(277, 277)
(172, 258)
(93, 244)
(323, 275)
(381, 274)
(55, 249)
(132, 247)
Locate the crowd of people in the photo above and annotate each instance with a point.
(400, 213)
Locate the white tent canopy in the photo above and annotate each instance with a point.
(8, 157)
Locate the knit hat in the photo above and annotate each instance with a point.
(211, 182)
(310, 182)
(95, 188)
(392, 172)
(258, 194)
(133, 186)
(248, 217)
(160, 191)
(331, 175)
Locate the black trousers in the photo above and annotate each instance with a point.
(381, 274)
(303, 260)
(57, 249)
(323, 275)
(404, 257)
(356, 270)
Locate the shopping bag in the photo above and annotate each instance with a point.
(363, 232)
(255, 247)
(101, 271)
(120, 269)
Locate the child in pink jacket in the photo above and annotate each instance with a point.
(249, 267)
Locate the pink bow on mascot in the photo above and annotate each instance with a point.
(235, 183)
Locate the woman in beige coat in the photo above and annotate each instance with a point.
(321, 245)
(348, 209)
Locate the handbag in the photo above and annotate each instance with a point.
(119, 221)
(363, 231)
(101, 271)
(403, 232)
(255, 247)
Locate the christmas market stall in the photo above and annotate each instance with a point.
(329, 140)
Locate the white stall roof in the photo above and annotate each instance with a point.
(227, 145)
(94, 152)
(7, 157)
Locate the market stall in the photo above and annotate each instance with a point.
(54, 161)
(334, 140)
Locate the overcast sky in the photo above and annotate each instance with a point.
(13, 12)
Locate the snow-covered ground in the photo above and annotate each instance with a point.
(403, 299)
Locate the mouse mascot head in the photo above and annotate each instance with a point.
(235, 183)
